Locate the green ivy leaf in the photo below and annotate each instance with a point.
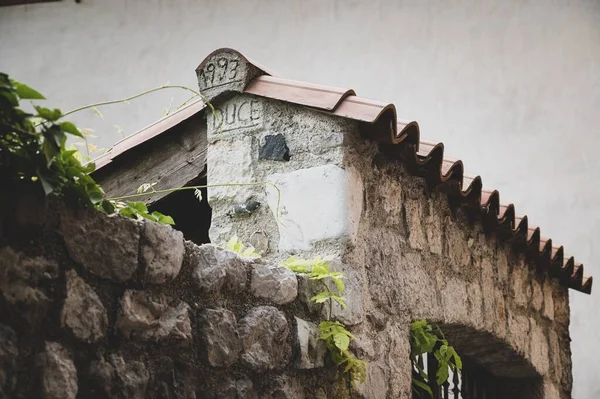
(138, 206)
(50, 151)
(50, 115)
(96, 195)
(164, 219)
(48, 184)
(71, 129)
(25, 92)
(128, 212)
(12, 99)
(107, 207)
(419, 386)
(55, 135)
(342, 341)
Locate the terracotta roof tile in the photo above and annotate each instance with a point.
(402, 139)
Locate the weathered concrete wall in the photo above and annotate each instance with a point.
(407, 255)
(94, 306)
(298, 151)
(420, 259)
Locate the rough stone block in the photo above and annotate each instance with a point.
(161, 252)
(221, 344)
(285, 387)
(457, 246)
(225, 169)
(274, 148)
(20, 283)
(223, 70)
(120, 379)
(502, 264)
(434, 229)
(539, 348)
(555, 359)
(395, 346)
(321, 143)
(239, 115)
(537, 296)
(310, 349)
(417, 238)
(274, 283)
(454, 302)
(315, 204)
(518, 332)
(354, 312)
(265, 338)
(83, 313)
(376, 384)
(550, 391)
(520, 284)
(475, 300)
(215, 268)
(363, 347)
(549, 305)
(59, 375)
(236, 389)
(113, 253)
(353, 292)
(9, 353)
(412, 284)
(152, 318)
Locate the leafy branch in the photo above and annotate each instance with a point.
(235, 245)
(425, 339)
(333, 333)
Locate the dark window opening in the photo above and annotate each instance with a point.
(491, 368)
(476, 382)
(192, 217)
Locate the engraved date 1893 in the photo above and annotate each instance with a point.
(219, 72)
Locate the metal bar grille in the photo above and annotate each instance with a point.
(472, 383)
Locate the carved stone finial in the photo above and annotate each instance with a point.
(225, 70)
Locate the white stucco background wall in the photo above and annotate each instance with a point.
(511, 87)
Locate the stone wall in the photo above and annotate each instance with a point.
(99, 306)
(407, 255)
(93, 306)
(420, 259)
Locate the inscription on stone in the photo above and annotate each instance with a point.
(239, 113)
(219, 72)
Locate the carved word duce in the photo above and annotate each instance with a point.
(239, 114)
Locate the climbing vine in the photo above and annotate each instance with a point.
(33, 151)
(333, 333)
(424, 339)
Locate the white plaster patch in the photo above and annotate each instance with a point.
(317, 203)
